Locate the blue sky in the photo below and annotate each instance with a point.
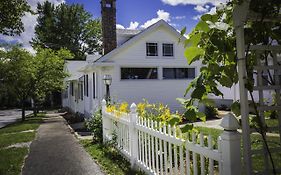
(142, 11)
(132, 14)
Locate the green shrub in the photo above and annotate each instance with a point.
(95, 126)
(211, 112)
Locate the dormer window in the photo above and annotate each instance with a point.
(168, 50)
(151, 49)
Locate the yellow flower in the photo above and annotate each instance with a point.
(124, 107)
(110, 108)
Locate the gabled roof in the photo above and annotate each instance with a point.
(138, 36)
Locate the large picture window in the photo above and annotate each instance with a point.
(151, 49)
(178, 73)
(168, 50)
(138, 73)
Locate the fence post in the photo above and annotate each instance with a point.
(104, 123)
(133, 136)
(230, 146)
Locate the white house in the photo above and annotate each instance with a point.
(148, 64)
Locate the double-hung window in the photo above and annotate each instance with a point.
(94, 85)
(168, 50)
(151, 49)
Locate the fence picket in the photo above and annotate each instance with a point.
(187, 155)
(152, 145)
(165, 151)
(170, 151)
(202, 158)
(156, 148)
(211, 161)
(181, 160)
(194, 156)
(175, 152)
(161, 150)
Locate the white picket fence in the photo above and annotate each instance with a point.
(159, 149)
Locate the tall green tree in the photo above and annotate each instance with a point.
(67, 26)
(11, 12)
(32, 76)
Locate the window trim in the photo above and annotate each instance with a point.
(173, 46)
(152, 56)
(140, 67)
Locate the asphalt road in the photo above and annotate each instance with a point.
(10, 116)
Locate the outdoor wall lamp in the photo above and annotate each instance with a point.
(107, 79)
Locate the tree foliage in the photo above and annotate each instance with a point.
(11, 12)
(33, 76)
(67, 26)
(213, 42)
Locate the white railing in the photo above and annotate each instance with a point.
(159, 149)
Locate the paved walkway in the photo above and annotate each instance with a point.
(210, 124)
(55, 151)
(10, 116)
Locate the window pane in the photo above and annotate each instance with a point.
(168, 50)
(139, 73)
(178, 73)
(151, 49)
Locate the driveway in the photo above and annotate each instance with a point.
(56, 151)
(10, 116)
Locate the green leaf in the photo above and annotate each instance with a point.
(208, 102)
(187, 128)
(183, 31)
(226, 81)
(235, 108)
(198, 92)
(182, 101)
(201, 116)
(174, 120)
(190, 115)
(202, 26)
(192, 53)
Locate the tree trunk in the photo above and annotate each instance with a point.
(23, 110)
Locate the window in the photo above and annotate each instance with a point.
(94, 85)
(80, 87)
(178, 73)
(151, 49)
(168, 50)
(86, 84)
(138, 73)
(71, 88)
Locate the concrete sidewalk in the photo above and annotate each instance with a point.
(55, 151)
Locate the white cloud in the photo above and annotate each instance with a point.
(133, 25)
(197, 17)
(201, 9)
(119, 26)
(193, 2)
(179, 17)
(29, 22)
(161, 14)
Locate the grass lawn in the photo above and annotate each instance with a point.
(11, 159)
(108, 158)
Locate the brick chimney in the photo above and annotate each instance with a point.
(108, 11)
